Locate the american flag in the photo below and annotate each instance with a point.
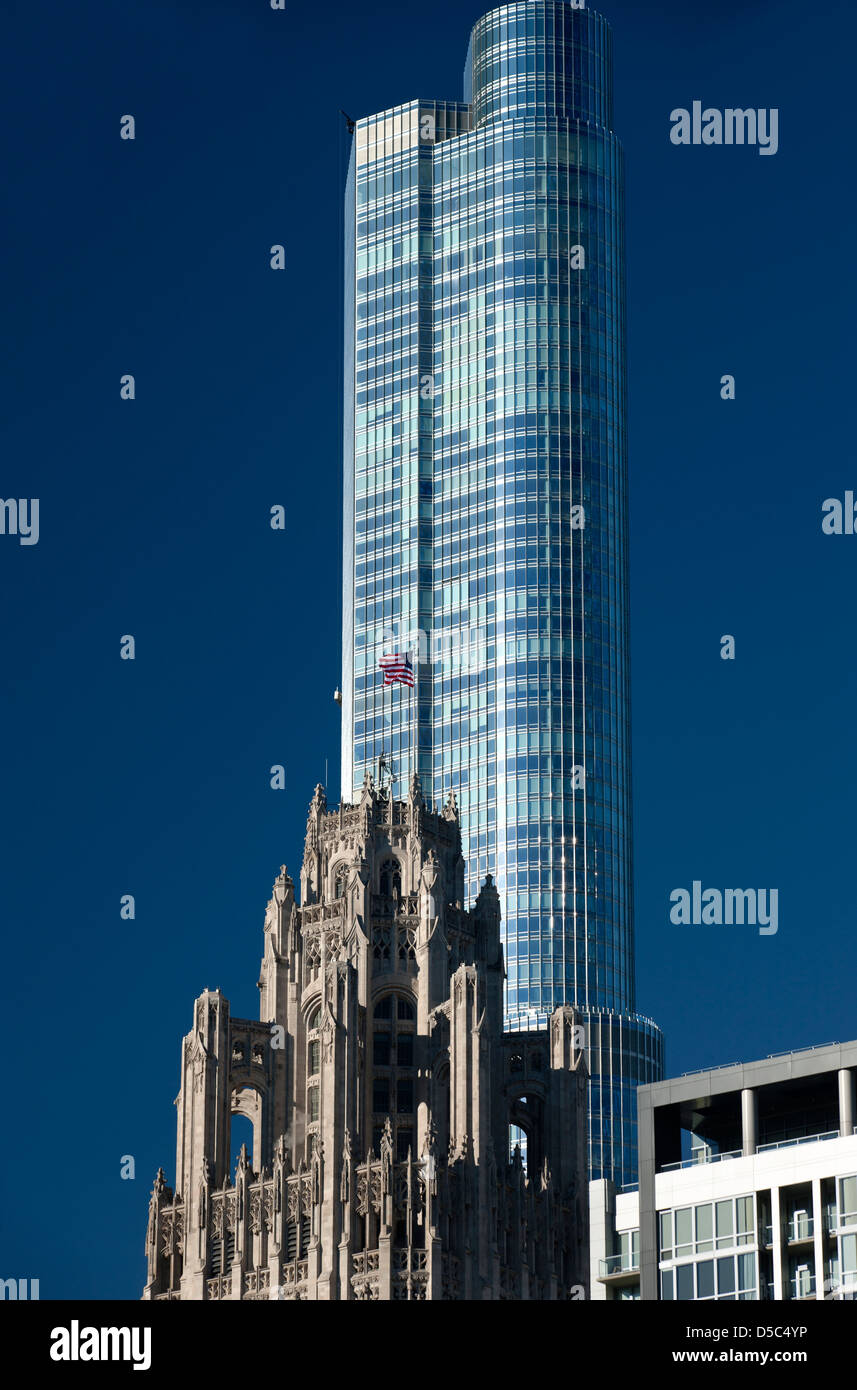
(397, 668)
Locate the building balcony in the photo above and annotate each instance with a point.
(702, 1158)
(843, 1286)
(801, 1139)
(618, 1270)
(841, 1222)
(801, 1230)
(802, 1287)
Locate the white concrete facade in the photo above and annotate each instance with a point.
(765, 1221)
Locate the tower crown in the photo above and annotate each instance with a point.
(379, 1087)
(543, 58)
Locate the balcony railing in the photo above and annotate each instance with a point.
(837, 1222)
(618, 1264)
(803, 1286)
(801, 1139)
(801, 1228)
(702, 1158)
(793, 1052)
(844, 1285)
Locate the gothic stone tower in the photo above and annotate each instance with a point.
(381, 1090)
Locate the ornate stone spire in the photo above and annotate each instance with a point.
(486, 911)
(361, 989)
(415, 791)
(283, 885)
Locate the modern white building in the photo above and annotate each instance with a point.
(748, 1186)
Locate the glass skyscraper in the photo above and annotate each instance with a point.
(486, 520)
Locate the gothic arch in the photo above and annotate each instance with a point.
(526, 1112)
(339, 873)
(390, 876)
(250, 1101)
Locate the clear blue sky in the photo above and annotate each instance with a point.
(151, 777)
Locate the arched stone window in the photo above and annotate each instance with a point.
(394, 1076)
(518, 1141)
(526, 1128)
(390, 881)
(245, 1123)
(313, 1067)
(312, 959)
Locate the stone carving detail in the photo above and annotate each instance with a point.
(407, 951)
(441, 1012)
(257, 1284)
(217, 1217)
(328, 1033)
(231, 1210)
(256, 1212)
(345, 1177)
(401, 1193)
(382, 940)
(375, 1189)
(312, 959)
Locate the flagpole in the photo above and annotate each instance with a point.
(399, 669)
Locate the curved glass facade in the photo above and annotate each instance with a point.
(486, 510)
